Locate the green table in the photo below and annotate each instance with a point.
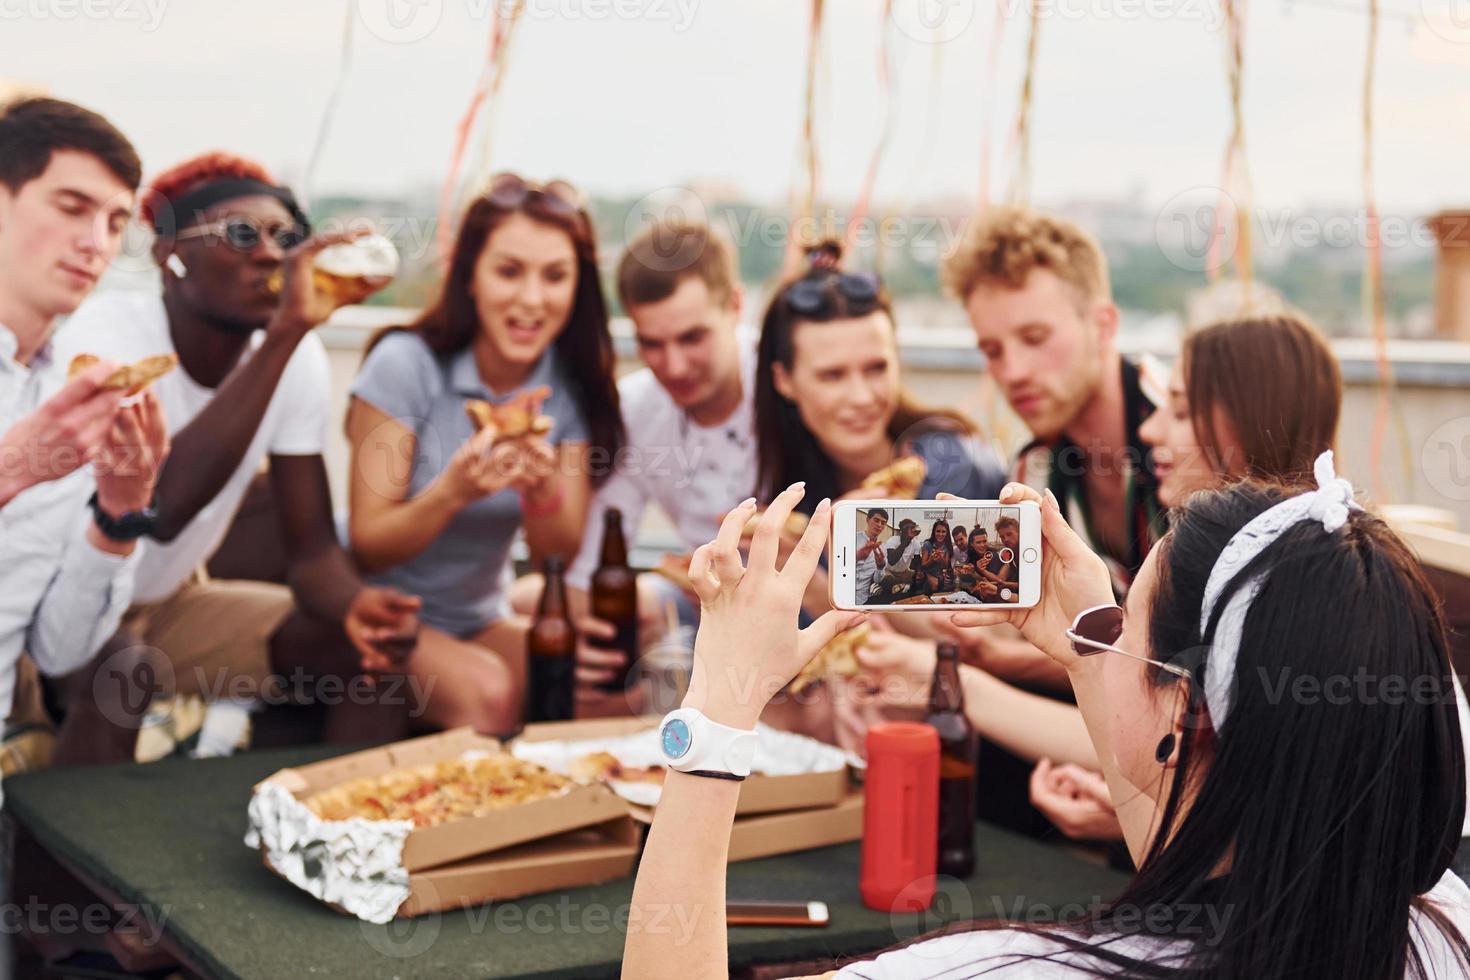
(168, 837)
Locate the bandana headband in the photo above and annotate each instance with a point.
(1330, 504)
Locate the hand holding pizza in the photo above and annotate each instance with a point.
(62, 434)
(131, 457)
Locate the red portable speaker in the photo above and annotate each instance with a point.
(900, 817)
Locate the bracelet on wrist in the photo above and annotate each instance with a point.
(542, 508)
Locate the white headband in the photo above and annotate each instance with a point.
(1329, 503)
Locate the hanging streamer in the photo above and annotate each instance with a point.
(987, 99)
(487, 87)
(329, 114)
(805, 199)
(887, 81)
(1236, 193)
(1020, 187)
(1372, 292)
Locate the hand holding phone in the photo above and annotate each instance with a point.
(900, 555)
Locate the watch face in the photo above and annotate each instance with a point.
(676, 738)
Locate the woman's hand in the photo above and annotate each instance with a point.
(1076, 800)
(482, 468)
(1072, 579)
(749, 645)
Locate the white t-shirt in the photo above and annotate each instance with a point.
(1001, 952)
(695, 473)
(907, 555)
(865, 570)
(125, 326)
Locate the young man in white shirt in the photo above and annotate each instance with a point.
(869, 558)
(688, 415)
(68, 533)
(253, 384)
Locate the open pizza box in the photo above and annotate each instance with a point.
(826, 785)
(378, 868)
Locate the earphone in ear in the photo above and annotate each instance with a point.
(176, 265)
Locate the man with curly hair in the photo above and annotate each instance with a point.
(1036, 290)
(238, 306)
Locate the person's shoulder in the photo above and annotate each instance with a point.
(998, 953)
(639, 393)
(402, 344)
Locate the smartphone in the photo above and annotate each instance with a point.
(918, 569)
(776, 914)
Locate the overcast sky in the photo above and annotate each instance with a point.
(626, 96)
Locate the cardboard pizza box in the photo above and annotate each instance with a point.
(428, 847)
(590, 856)
(764, 834)
(758, 793)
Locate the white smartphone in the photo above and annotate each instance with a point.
(908, 554)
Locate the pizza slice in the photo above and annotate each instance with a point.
(513, 419)
(796, 523)
(606, 766)
(899, 480)
(837, 659)
(132, 378)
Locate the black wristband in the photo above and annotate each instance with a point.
(129, 527)
(711, 774)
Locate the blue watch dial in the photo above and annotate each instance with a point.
(676, 738)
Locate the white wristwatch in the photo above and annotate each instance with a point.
(692, 743)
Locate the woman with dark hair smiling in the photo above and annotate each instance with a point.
(835, 410)
(1318, 833)
(435, 505)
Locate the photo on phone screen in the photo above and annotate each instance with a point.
(901, 554)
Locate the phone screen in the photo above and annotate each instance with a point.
(930, 553)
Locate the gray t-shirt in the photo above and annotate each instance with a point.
(462, 576)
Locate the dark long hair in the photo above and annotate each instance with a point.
(1277, 381)
(786, 450)
(1329, 817)
(584, 346)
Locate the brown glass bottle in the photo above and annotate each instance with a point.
(615, 597)
(959, 748)
(551, 649)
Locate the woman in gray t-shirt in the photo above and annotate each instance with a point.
(435, 507)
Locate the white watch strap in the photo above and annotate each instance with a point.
(692, 743)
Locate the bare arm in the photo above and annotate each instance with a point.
(386, 526)
(322, 576)
(556, 508)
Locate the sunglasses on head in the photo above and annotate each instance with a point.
(812, 296)
(510, 191)
(1097, 629)
(245, 233)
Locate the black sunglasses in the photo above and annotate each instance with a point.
(812, 297)
(244, 234)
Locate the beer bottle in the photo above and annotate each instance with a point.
(615, 597)
(959, 747)
(551, 649)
